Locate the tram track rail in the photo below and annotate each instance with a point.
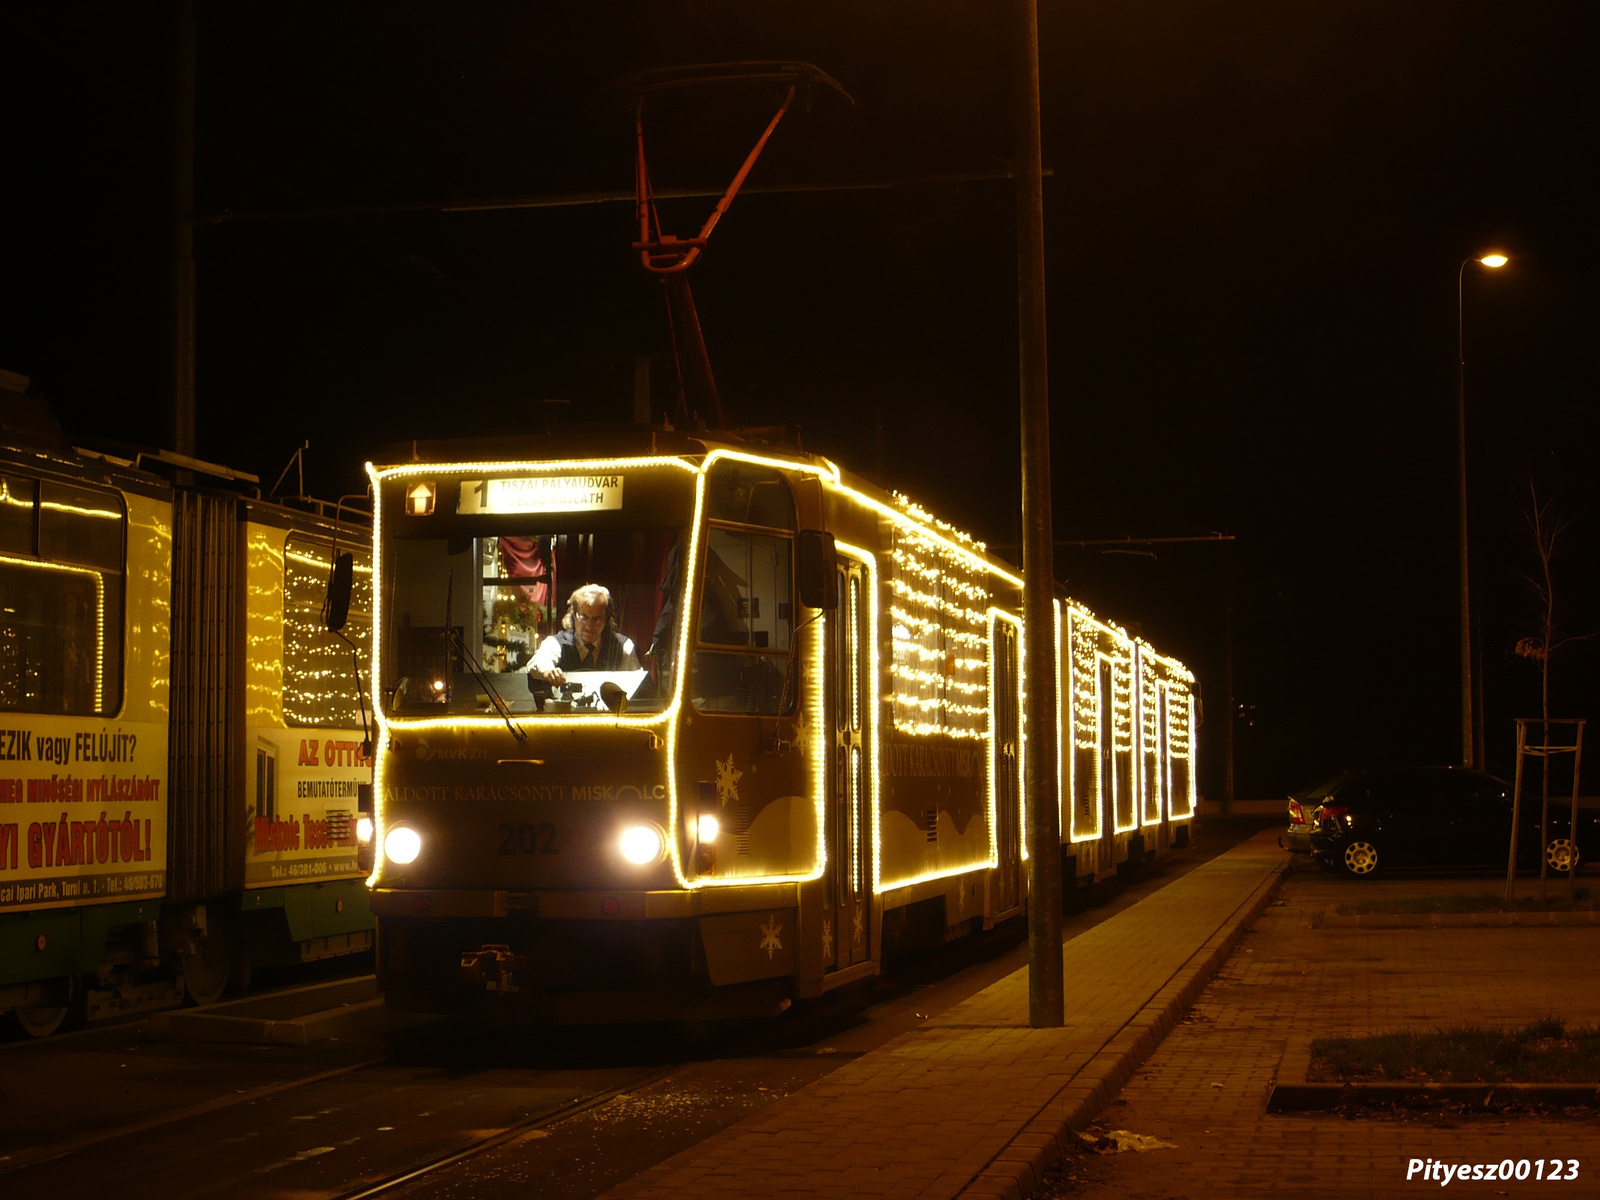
(550, 1116)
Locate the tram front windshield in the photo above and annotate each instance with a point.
(467, 617)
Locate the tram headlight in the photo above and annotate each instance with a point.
(708, 828)
(641, 844)
(401, 845)
(364, 829)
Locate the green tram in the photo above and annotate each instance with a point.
(181, 743)
(806, 737)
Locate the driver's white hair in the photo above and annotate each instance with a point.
(590, 593)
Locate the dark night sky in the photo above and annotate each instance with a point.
(1254, 224)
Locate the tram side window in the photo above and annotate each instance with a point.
(61, 605)
(80, 526)
(319, 683)
(746, 611)
(17, 497)
(745, 494)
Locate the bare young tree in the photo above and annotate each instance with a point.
(1546, 525)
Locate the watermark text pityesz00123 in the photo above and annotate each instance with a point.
(1536, 1170)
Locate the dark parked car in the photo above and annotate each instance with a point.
(1297, 838)
(1366, 821)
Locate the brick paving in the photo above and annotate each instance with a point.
(1205, 1089)
(972, 1102)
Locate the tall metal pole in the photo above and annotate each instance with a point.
(1230, 717)
(1468, 750)
(180, 234)
(1046, 987)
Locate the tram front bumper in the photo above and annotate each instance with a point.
(442, 950)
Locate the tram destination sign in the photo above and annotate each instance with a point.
(541, 494)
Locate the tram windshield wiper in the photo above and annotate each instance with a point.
(458, 646)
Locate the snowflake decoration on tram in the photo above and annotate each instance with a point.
(728, 781)
(771, 942)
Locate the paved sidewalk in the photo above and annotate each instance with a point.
(972, 1103)
(1295, 975)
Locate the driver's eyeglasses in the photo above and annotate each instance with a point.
(592, 618)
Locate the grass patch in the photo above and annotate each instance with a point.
(1462, 903)
(1545, 1051)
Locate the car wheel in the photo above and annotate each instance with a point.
(1360, 858)
(1325, 861)
(1563, 856)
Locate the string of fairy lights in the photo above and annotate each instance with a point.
(1150, 736)
(939, 670)
(1122, 705)
(939, 610)
(318, 688)
(1083, 633)
(1099, 654)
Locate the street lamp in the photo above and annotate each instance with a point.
(1493, 260)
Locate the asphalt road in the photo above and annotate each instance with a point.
(576, 1110)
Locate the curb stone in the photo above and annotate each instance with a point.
(1495, 920)
(1015, 1172)
(1299, 1094)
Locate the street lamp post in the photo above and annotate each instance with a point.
(1469, 748)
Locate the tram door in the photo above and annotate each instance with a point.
(1108, 766)
(1004, 747)
(1163, 772)
(847, 930)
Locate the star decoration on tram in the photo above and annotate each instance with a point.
(827, 938)
(728, 781)
(859, 930)
(770, 941)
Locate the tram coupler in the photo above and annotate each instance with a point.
(494, 968)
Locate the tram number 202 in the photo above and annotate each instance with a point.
(527, 839)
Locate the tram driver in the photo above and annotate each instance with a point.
(588, 640)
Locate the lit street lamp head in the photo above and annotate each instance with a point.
(1494, 260)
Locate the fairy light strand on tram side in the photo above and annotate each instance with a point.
(873, 711)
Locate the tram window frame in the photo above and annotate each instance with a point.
(628, 561)
(751, 676)
(308, 645)
(61, 549)
(744, 503)
(742, 494)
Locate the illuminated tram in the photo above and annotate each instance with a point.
(819, 745)
(181, 743)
